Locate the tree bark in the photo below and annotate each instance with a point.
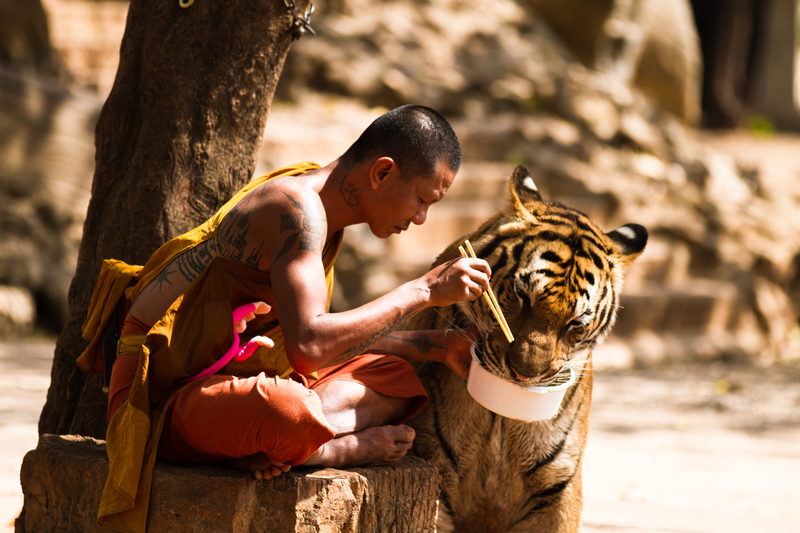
(176, 138)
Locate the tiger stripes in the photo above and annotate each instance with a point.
(558, 279)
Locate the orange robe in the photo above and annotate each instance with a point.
(181, 344)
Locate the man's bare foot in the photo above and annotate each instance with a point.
(381, 445)
(260, 465)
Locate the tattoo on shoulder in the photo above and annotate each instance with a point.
(232, 238)
(421, 342)
(349, 192)
(295, 203)
(306, 228)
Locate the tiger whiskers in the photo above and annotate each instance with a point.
(579, 363)
(484, 324)
(456, 329)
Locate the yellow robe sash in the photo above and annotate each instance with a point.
(192, 335)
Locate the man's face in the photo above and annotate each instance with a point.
(404, 202)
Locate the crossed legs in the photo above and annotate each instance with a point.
(360, 417)
(264, 424)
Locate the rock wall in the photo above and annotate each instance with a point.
(25, 37)
(482, 56)
(87, 35)
(46, 166)
(716, 279)
(719, 279)
(778, 90)
(652, 44)
(51, 72)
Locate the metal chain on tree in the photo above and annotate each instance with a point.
(301, 23)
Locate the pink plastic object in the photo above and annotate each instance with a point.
(235, 352)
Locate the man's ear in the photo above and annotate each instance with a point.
(381, 169)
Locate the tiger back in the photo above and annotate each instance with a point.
(557, 278)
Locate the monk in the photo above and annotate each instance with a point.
(328, 389)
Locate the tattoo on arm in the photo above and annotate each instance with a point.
(189, 264)
(384, 331)
(192, 263)
(349, 192)
(290, 223)
(162, 277)
(421, 342)
(307, 228)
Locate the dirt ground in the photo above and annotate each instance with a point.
(694, 449)
(673, 449)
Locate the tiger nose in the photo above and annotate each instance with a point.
(526, 376)
(534, 358)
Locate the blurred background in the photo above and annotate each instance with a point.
(680, 115)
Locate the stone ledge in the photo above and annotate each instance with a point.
(63, 478)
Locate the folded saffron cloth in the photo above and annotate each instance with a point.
(191, 336)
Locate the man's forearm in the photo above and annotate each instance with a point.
(334, 338)
(381, 337)
(315, 338)
(421, 345)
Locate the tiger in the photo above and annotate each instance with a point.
(557, 279)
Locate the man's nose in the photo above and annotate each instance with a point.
(421, 215)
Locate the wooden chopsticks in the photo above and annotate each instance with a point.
(490, 298)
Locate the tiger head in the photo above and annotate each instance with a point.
(557, 278)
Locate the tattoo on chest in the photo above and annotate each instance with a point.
(349, 192)
(307, 232)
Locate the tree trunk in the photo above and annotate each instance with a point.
(176, 138)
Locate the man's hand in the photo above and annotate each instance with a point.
(261, 309)
(457, 357)
(457, 280)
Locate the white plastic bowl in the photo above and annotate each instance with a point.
(527, 403)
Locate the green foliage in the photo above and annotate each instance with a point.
(517, 158)
(760, 125)
(532, 104)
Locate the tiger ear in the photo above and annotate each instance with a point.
(524, 194)
(629, 241)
